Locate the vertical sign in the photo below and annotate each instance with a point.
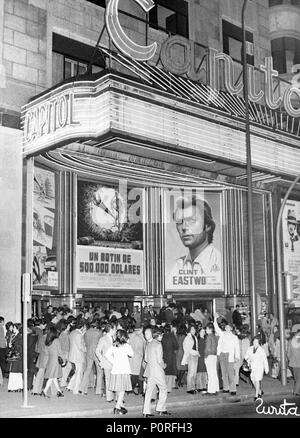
(291, 248)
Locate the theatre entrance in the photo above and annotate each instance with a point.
(192, 305)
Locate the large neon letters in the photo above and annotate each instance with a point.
(119, 37)
(290, 91)
(183, 63)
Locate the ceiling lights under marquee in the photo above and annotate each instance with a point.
(112, 170)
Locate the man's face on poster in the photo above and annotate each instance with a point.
(190, 225)
(292, 229)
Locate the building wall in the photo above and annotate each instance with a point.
(10, 223)
(28, 26)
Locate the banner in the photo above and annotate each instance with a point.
(291, 248)
(109, 268)
(193, 241)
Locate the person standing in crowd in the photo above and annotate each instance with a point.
(244, 341)
(98, 312)
(137, 343)
(181, 316)
(58, 316)
(273, 340)
(229, 352)
(114, 313)
(49, 315)
(91, 338)
(145, 316)
(15, 379)
(118, 355)
(201, 376)
(9, 332)
(32, 339)
(9, 336)
(293, 354)
(170, 346)
(181, 369)
(125, 316)
(198, 316)
(3, 346)
(276, 360)
(105, 342)
(190, 358)
(273, 321)
(258, 362)
(39, 328)
(264, 322)
(77, 355)
(136, 315)
(210, 354)
(53, 368)
(42, 360)
(154, 372)
(207, 318)
(162, 314)
(63, 328)
(169, 313)
(237, 319)
(152, 312)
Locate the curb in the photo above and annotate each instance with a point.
(207, 402)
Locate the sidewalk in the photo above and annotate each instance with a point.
(75, 406)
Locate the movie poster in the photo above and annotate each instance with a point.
(193, 240)
(110, 236)
(110, 215)
(291, 248)
(44, 240)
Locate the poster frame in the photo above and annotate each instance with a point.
(113, 182)
(203, 292)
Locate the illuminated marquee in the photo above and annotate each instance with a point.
(49, 117)
(187, 66)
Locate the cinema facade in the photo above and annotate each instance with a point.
(106, 157)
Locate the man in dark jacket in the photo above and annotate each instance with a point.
(237, 317)
(169, 314)
(32, 339)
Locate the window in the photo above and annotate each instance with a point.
(101, 3)
(170, 16)
(233, 42)
(71, 58)
(285, 53)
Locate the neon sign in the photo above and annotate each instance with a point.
(186, 65)
(119, 37)
(50, 116)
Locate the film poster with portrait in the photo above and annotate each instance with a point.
(193, 244)
(291, 248)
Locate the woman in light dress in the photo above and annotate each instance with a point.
(258, 362)
(118, 354)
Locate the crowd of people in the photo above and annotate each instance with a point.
(148, 353)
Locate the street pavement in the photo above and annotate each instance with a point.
(270, 407)
(81, 406)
